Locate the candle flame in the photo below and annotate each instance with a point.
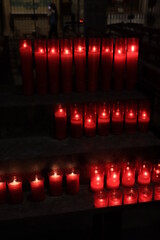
(25, 45)
(66, 51)
(145, 173)
(107, 50)
(119, 51)
(114, 175)
(103, 114)
(131, 114)
(133, 48)
(94, 49)
(144, 114)
(53, 50)
(77, 116)
(36, 178)
(61, 110)
(89, 120)
(41, 50)
(117, 113)
(80, 48)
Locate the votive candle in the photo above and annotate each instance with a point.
(15, 189)
(100, 199)
(55, 182)
(37, 187)
(72, 181)
(145, 194)
(112, 176)
(130, 196)
(115, 197)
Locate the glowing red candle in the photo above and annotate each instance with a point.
(76, 120)
(25, 50)
(41, 67)
(103, 119)
(60, 115)
(72, 181)
(53, 65)
(97, 179)
(131, 117)
(156, 173)
(112, 176)
(132, 63)
(106, 63)
(80, 64)
(90, 120)
(66, 65)
(56, 182)
(117, 117)
(130, 196)
(145, 194)
(157, 192)
(15, 189)
(100, 199)
(93, 64)
(37, 188)
(115, 197)
(119, 64)
(3, 190)
(144, 173)
(128, 174)
(144, 116)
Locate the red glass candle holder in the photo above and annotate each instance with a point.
(117, 117)
(128, 174)
(100, 199)
(3, 190)
(14, 184)
(76, 120)
(144, 173)
(55, 182)
(66, 65)
(60, 116)
(72, 181)
(106, 63)
(157, 192)
(93, 63)
(145, 194)
(130, 196)
(144, 116)
(103, 119)
(156, 173)
(119, 64)
(130, 117)
(114, 197)
(41, 66)
(90, 120)
(113, 176)
(132, 63)
(53, 65)
(97, 179)
(26, 58)
(37, 187)
(80, 64)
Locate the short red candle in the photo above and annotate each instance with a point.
(37, 188)
(41, 67)
(132, 63)
(130, 196)
(93, 63)
(119, 64)
(76, 120)
(145, 194)
(60, 115)
(72, 181)
(3, 190)
(115, 197)
(157, 192)
(117, 116)
(112, 176)
(144, 116)
(25, 50)
(97, 179)
(103, 119)
(80, 64)
(128, 174)
(106, 63)
(90, 120)
(156, 173)
(15, 189)
(131, 117)
(56, 182)
(100, 199)
(144, 173)
(53, 65)
(66, 65)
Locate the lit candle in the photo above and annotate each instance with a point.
(103, 119)
(56, 182)
(15, 189)
(93, 64)
(97, 179)
(100, 199)
(156, 173)
(144, 117)
(76, 121)
(145, 194)
(37, 188)
(25, 50)
(131, 117)
(130, 196)
(144, 173)
(3, 190)
(90, 120)
(128, 174)
(112, 176)
(60, 116)
(72, 181)
(115, 197)
(117, 117)
(53, 65)
(66, 65)
(157, 192)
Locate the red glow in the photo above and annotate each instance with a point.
(107, 50)
(119, 51)
(117, 113)
(41, 50)
(94, 49)
(66, 51)
(81, 20)
(52, 50)
(25, 45)
(100, 199)
(97, 180)
(132, 48)
(80, 49)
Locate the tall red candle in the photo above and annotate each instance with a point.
(130, 196)
(96, 179)
(128, 174)
(41, 67)
(90, 120)
(66, 65)
(15, 189)
(145, 194)
(53, 65)
(80, 64)
(60, 116)
(113, 176)
(119, 64)
(144, 116)
(93, 63)
(103, 118)
(55, 182)
(144, 173)
(3, 190)
(131, 117)
(100, 199)
(117, 118)
(37, 188)
(115, 197)
(156, 173)
(26, 58)
(157, 191)
(132, 63)
(76, 120)
(106, 63)
(72, 181)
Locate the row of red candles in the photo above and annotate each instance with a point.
(146, 174)
(54, 61)
(91, 116)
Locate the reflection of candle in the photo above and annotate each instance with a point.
(97, 180)
(145, 194)
(144, 174)
(25, 50)
(72, 181)
(143, 119)
(15, 190)
(37, 188)
(90, 120)
(112, 176)
(3, 190)
(76, 121)
(157, 192)
(100, 199)
(156, 173)
(115, 197)
(55, 182)
(117, 119)
(103, 119)
(60, 122)
(130, 196)
(128, 175)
